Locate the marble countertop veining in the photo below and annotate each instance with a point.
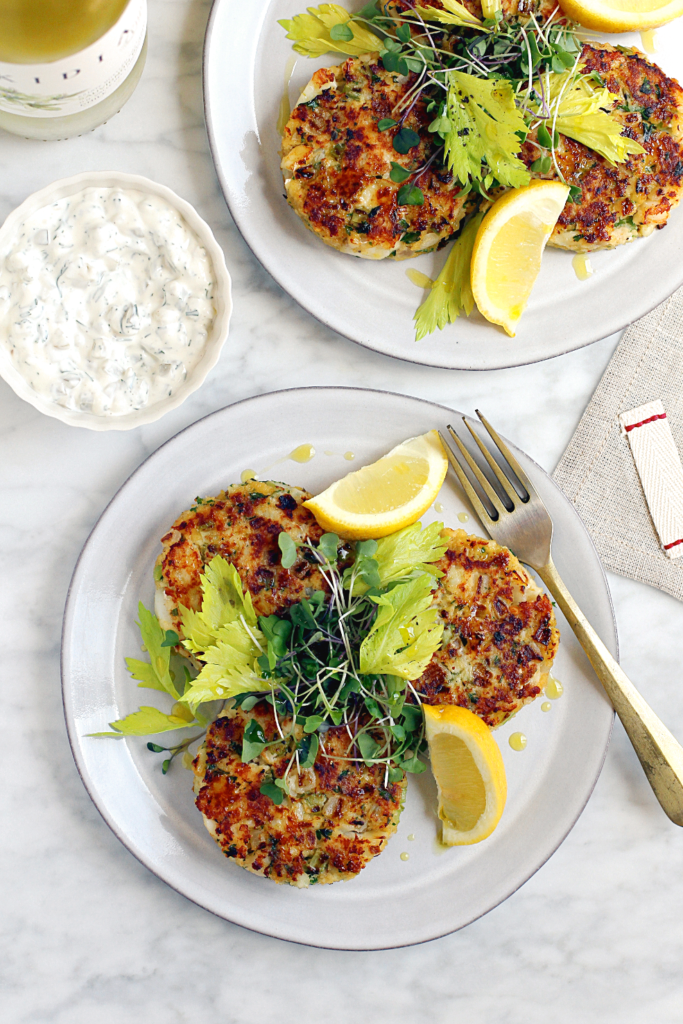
(89, 936)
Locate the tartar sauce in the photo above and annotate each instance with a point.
(106, 300)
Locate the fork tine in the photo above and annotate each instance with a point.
(508, 489)
(478, 475)
(469, 490)
(507, 454)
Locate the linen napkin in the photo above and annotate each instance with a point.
(598, 472)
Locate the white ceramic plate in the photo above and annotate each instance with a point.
(392, 902)
(245, 57)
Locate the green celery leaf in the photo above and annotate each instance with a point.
(224, 601)
(451, 293)
(330, 28)
(408, 550)
(145, 722)
(578, 112)
(484, 120)
(450, 13)
(406, 631)
(154, 674)
(229, 666)
(397, 557)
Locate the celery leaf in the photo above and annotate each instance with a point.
(155, 673)
(451, 292)
(146, 722)
(406, 631)
(223, 601)
(452, 13)
(581, 112)
(404, 553)
(329, 28)
(229, 665)
(484, 122)
(410, 549)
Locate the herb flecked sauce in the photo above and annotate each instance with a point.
(106, 301)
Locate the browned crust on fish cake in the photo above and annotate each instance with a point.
(629, 200)
(242, 524)
(500, 635)
(337, 163)
(339, 819)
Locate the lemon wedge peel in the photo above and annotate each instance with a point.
(469, 771)
(622, 15)
(507, 252)
(387, 495)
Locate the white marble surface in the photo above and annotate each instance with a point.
(89, 936)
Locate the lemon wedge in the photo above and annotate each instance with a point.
(387, 495)
(469, 772)
(507, 251)
(622, 15)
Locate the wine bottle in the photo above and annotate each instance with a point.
(67, 66)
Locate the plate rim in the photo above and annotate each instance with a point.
(615, 327)
(73, 738)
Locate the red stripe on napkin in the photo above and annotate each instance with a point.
(659, 416)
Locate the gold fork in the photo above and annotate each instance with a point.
(517, 518)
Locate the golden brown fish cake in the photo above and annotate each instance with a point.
(500, 635)
(629, 200)
(242, 524)
(340, 814)
(336, 164)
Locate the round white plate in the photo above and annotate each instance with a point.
(245, 57)
(392, 902)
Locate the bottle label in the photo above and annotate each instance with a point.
(75, 83)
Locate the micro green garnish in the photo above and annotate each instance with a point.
(410, 195)
(171, 638)
(180, 748)
(405, 139)
(345, 656)
(489, 86)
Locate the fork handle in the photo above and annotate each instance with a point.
(660, 754)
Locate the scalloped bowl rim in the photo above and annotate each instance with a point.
(223, 299)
